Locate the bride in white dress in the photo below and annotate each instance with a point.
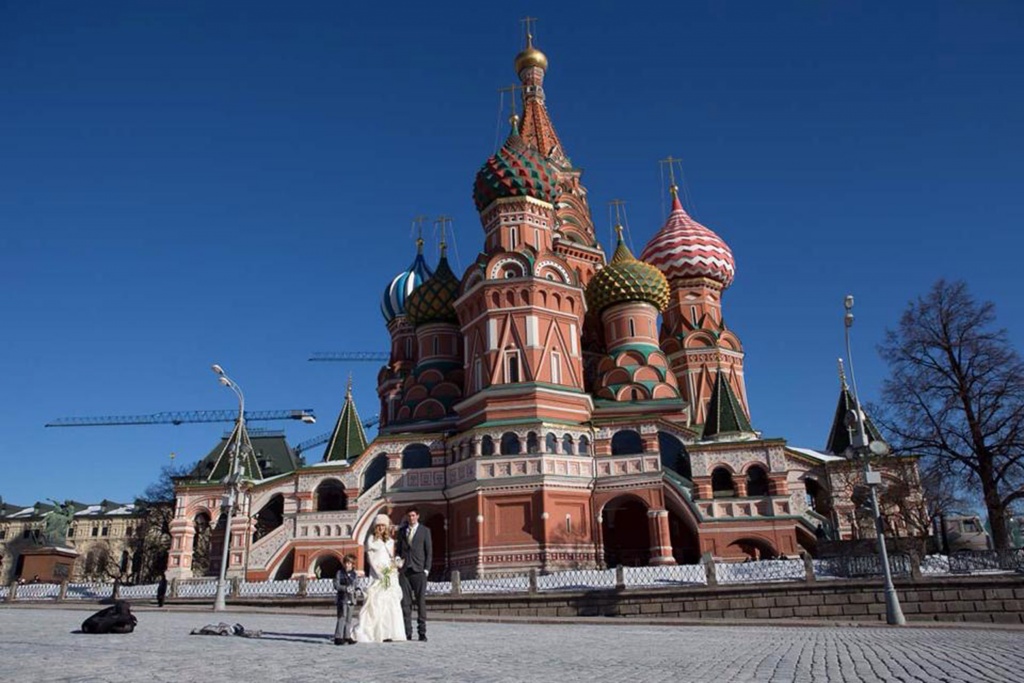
(380, 619)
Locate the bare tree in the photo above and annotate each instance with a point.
(955, 395)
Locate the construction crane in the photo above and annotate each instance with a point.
(351, 356)
(326, 436)
(184, 416)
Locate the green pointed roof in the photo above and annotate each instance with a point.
(348, 440)
(725, 415)
(270, 456)
(839, 436)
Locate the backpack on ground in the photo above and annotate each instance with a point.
(115, 619)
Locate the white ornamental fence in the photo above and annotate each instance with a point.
(707, 573)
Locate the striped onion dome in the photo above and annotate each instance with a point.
(627, 279)
(685, 249)
(434, 300)
(392, 303)
(515, 170)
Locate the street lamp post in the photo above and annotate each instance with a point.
(233, 479)
(864, 449)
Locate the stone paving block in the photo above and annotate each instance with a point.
(38, 645)
(862, 598)
(806, 611)
(812, 600)
(973, 594)
(838, 599)
(999, 594)
(855, 609)
(781, 612)
(787, 601)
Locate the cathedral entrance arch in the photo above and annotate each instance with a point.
(683, 531)
(626, 532)
(326, 566)
(755, 548)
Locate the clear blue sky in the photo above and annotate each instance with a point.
(183, 183)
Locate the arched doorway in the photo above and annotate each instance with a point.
(326, 566)
(755, 548)
(201, 544)
(286, 568)
(439, 541)
(683, 532)
(626, 534)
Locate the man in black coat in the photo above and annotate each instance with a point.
(417, 552)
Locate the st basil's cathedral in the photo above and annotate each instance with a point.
(547, 409)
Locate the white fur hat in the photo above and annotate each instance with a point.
(382, 519)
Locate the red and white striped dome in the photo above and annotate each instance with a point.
(684, 248)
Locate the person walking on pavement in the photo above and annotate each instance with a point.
(417, 552)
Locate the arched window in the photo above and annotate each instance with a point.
(551, 443)
(757, 481)
(673, 455)
(509, 444)
(567, 444)
(415, 456)
(330, 496)
(532, 443)
(375, 471)
(487, 446)
(584, 445)
(721, 483)
(627, 442)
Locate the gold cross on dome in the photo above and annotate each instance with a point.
(528, 25)
(671, 162)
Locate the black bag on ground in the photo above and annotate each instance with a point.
(116, 619)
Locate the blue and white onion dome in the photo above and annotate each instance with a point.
(392, 303)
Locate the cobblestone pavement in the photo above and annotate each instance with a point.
(38, 645)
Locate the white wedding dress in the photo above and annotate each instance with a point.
(381, 617)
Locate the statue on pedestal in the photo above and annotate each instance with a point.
(56, 523)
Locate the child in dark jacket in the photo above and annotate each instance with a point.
(345, 585)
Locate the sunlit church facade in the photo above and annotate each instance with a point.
(548, 408)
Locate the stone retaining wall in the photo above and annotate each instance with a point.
(976, 599)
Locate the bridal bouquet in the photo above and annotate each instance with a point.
(385, 577)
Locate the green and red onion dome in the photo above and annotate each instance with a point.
(515, 170)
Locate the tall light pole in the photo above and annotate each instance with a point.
(864, 449)
(233, 479)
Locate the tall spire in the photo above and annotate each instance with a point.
(348, 440)
(840, 436)
(536, 127)
(725, 416)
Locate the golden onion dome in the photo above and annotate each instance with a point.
(531, 56)
(627, 279)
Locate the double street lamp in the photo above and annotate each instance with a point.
(233, 480)
(864, 449)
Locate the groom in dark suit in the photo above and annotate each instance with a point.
(417, 552)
